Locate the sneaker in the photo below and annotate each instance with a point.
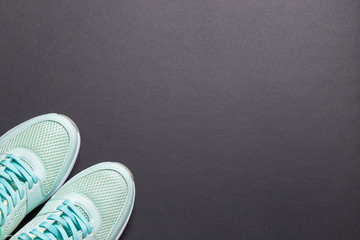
(95, 204)
(36, 157)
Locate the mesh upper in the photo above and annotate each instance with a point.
(34, 223)
(107, 189)
(50, 141)
(16, 219)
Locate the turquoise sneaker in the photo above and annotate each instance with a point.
(95, 204)
(36, 157)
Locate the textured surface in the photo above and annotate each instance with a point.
(109, 198)
(238, 118)
(19, 215)
(36, 221)
(50, 141)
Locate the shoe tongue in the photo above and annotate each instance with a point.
(2, 167)
(83, 212)
(2, 157)
(12, 184)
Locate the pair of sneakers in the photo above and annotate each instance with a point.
(36, 157)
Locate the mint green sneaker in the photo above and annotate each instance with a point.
(36, 157)
(95, 204)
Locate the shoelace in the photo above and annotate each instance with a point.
(15, 174)
(70, 221)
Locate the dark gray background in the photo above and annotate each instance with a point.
(239, 119)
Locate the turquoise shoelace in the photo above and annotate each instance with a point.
(63, 226)
(14, 173)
